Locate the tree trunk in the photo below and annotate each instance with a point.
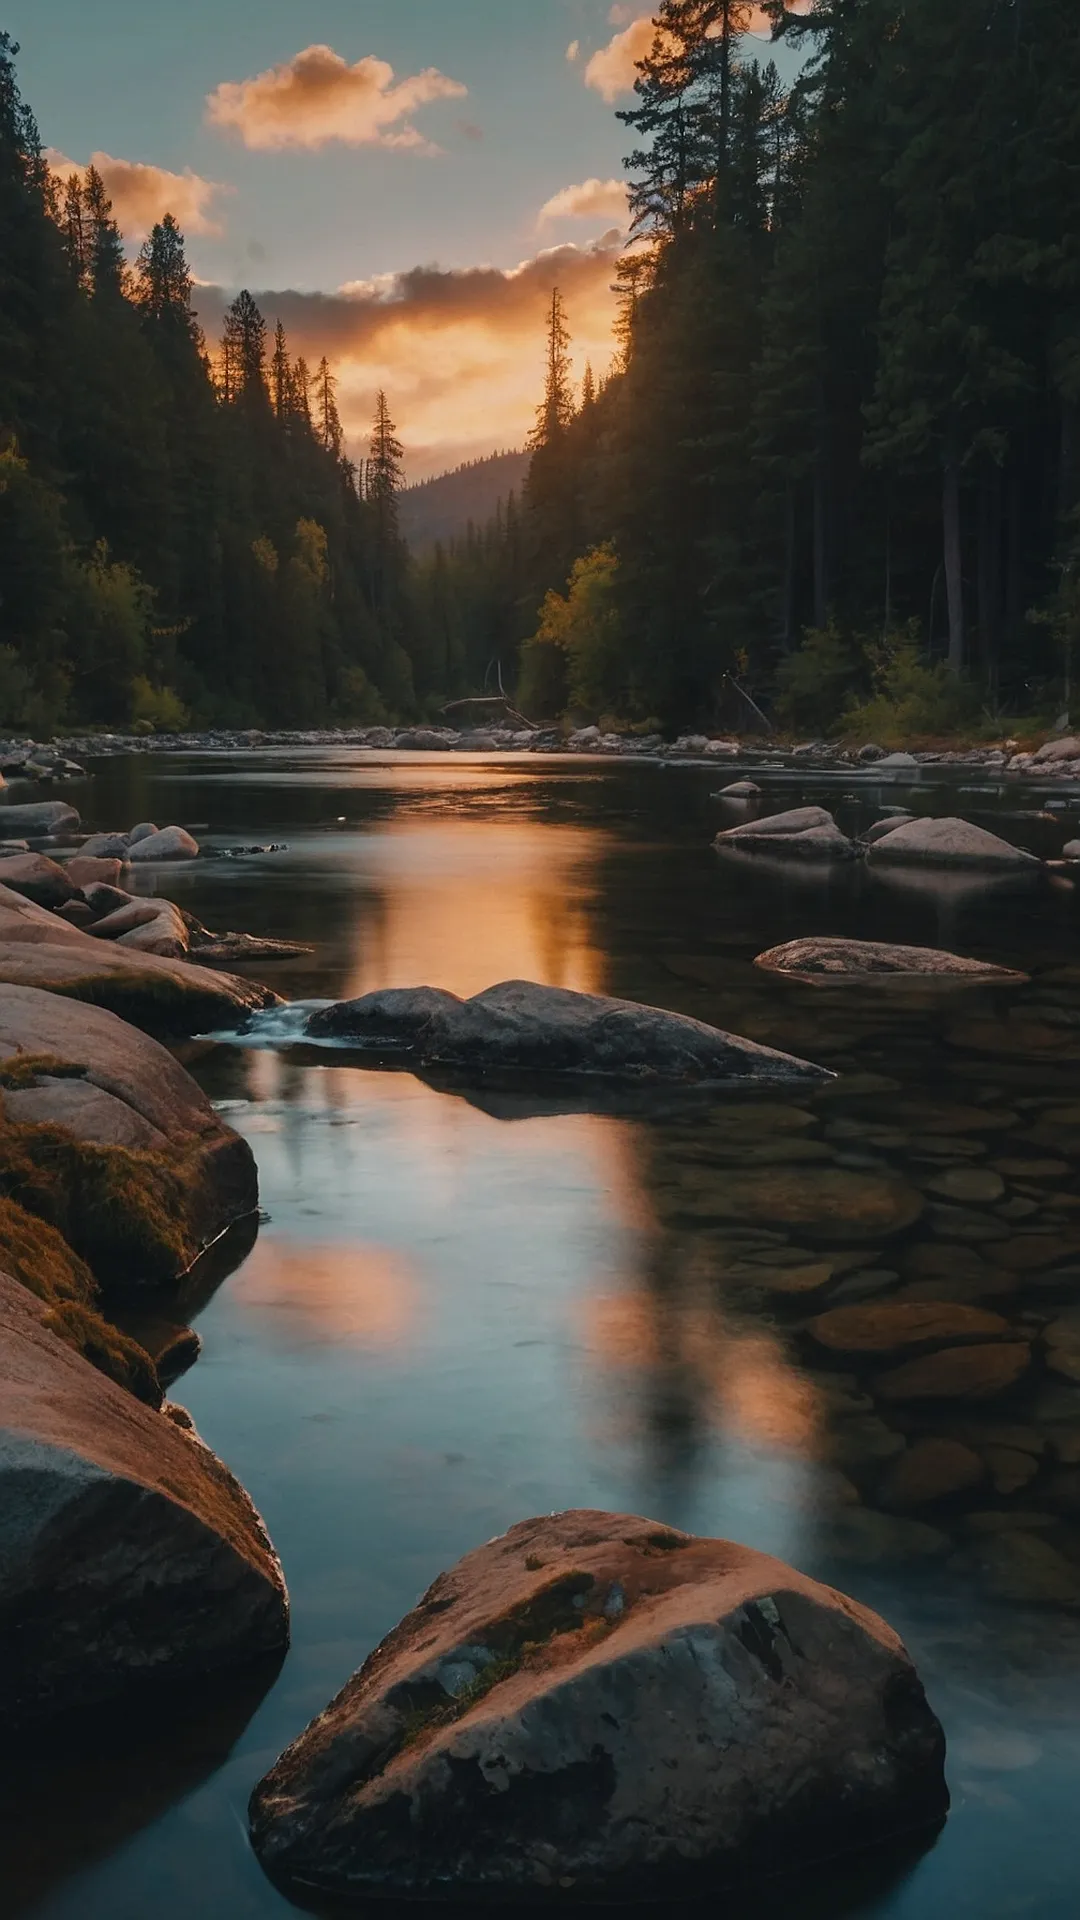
(990, 572)
(954, 572)
(790, 528)
(821, 545)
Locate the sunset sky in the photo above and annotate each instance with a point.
(402, 184)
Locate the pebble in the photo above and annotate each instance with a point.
(967, 1184)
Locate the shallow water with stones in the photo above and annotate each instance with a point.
(844, 1328)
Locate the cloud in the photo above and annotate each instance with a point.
(573, 50)
(142, 195)
(316, 97)
(590, 200)
(459, 351)
(613, 69)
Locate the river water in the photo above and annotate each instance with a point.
(466, 1308)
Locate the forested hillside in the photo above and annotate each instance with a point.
(840, 456)
(837, 458)
(441, 509)
(179, 530)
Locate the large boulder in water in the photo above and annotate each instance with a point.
(114, 1141)
(595, 1707)
(520, 1027)
(827, 957)
(166, 843)
(806, 833)
(162, 995)
(37, 820)
(128, 1552)
(950, 843)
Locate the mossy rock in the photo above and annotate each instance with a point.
(35, 1254)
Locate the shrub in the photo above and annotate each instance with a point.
(912, 697)
(819, 680)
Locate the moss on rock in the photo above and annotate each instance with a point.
(34, 1253)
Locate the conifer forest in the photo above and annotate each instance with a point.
(836, 460)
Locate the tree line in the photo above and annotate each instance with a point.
(181, 535)
(838, 461)
(835, 464)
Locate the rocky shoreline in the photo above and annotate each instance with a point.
(1058, 756)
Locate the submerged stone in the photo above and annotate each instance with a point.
(598, 1707)
(893, 1326)
(825, 1201)
(931, 1469)
(829, 958)
(522, 1027)
(957, 1373)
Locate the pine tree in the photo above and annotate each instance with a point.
(301, 391)
(281, 376)
(556, 410)
(244, 352)
(105, 248)
(326, 413)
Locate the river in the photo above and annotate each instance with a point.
(465, 1309)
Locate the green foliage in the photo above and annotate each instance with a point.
(158, 708)
(139, 472)
(912, 698)
(819, 679)
(583, 627)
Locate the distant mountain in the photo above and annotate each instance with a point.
(441, 509)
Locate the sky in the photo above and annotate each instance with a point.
(402, 182)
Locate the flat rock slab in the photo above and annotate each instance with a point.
(38, 949)
(598, 1707)
(828, 958)
(128, 1552)
(950, 843)
(520, 1027)
(803, 833)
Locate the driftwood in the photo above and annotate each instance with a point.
(489, 703)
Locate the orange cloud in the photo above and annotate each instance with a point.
(316, 97)
(459, 352)
(142, 195)
(614, 69)
(590, 200)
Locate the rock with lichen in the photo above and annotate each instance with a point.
(599, 1707)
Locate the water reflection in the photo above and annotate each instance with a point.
(451, 1321)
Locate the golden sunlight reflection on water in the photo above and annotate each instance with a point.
(304, 1293)
(462, 904)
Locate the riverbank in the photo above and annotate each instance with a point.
(1059, 754)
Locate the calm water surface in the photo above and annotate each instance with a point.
(465, 1308)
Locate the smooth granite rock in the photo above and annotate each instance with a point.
(37, 819)
(594, 1706)
(110, 1086)
(525, 1028)
(171, 843)
(803, 832)
(38, 949)
(128, 1552)
(950, 843)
